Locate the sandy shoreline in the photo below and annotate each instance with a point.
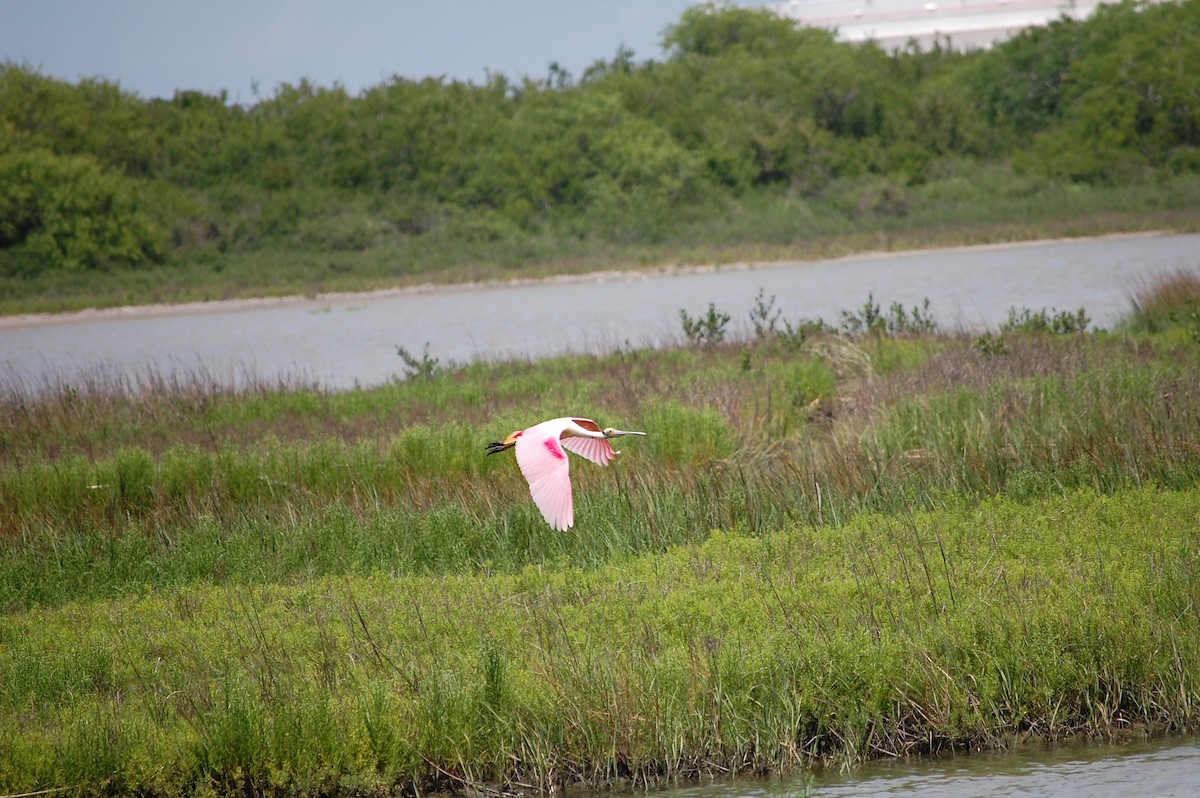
(254, 303)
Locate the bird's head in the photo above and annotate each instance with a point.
(507, 443)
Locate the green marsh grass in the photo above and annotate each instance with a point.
(828, 548)
(887, 635)
(105, 494)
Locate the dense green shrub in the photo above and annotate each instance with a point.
(67, 212)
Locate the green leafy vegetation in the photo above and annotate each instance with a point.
(705, 330)
(1058, 322)
(834, 546)
(424, 367)
(67, 213)
(750, 139)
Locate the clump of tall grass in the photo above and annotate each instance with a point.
(1167, 301)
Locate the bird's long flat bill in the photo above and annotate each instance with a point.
(611, 432)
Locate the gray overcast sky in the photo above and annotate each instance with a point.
(155, 47)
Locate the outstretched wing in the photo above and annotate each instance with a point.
(598, 450)
(543, 461)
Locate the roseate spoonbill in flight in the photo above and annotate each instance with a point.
(544, 463)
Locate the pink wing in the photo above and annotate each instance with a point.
(544, 463)
(598, 450)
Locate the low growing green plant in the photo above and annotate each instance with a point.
(990, 345)
(870, 320)
(1055, 322)
(764, 316)
(706, 330)
(425, 367)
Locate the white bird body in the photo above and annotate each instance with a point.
(543, 461)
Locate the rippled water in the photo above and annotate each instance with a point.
(1167, 768)
(1161, 768)
(344, 340)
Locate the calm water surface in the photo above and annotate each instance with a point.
(1152, 769)
(346, 340)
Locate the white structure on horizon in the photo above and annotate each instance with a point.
(892, 23)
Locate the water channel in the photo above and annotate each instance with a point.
(340, 341)
(1158, 768)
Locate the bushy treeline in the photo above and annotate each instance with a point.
(742, 101)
